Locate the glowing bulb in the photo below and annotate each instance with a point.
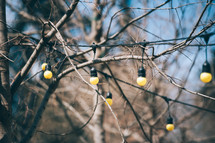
(94, 80)
(141, 81)
(170, 127)
(44, 66)
(47, 74)
(206, 77)
(169, 124)
(109, 101)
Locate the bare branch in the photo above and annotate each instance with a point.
(129, 104)
(21, 75)
(60, 38)
(132, 21)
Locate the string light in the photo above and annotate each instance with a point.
(141, 79)
(109, 94)
(44, 66)
(48, 73)
(206, 75)
(169, 124)
(94, 78)
(93, 73)
(109, 98)
(158, 42)
(157, 95)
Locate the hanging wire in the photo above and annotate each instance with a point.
(167, 102)
(143, 56)
(169, 109)
(206, 38)
(206, 53)
(94, 50)
(143, 51)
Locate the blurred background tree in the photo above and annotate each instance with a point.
(67, 109)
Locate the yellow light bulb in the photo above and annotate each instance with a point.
(109, 101)
(47, 74)
(141, 81)
(44, 66)
(94, 80)
(170, 127)
(206, 77)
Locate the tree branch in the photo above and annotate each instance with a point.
(40, 111)
(21, 74)
(129, 104)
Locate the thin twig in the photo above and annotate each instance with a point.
(128, 102)
(60, 38)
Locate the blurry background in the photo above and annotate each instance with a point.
(73, 102)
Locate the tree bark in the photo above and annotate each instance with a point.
(95, 36)
(99, 132)
(5, 100)
(41, 109)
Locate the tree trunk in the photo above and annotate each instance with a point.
(99, 133)
(95, 36)
(5, 104)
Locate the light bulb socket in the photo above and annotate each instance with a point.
(169, 120)
(48, 67)
(206, 67)
(93, 72)
(109, 95)
(141, 72)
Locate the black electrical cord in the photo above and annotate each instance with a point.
(140, 43)
(167, 102)
(206, 38)
(155, 94)
(94, 50)
(143, 51)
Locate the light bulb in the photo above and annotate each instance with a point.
(47, 74)
(109, 99)
(93, 79)
(141, 80)
(170, 127)
(44, 66)
(206, 75)
(169, 124)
